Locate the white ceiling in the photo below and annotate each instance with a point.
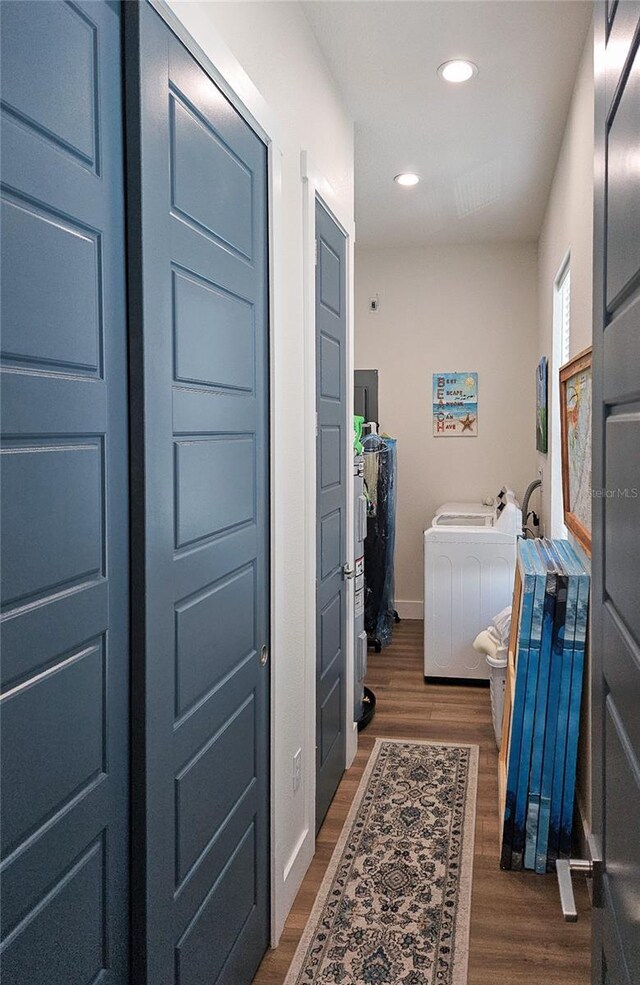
(485, 150)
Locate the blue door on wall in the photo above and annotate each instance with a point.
(199, 342)
(64, 619)
(331, 372)
(615, 632)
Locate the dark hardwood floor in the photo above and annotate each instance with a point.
(518, 936)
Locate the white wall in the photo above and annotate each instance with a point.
(274, 46)
(453, 308)
(568, 227)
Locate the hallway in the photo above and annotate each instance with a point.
(527, 903)
(262, 262)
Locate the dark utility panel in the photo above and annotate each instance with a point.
(332, 443)
(199, 325)
(365, 394)
(64, 630)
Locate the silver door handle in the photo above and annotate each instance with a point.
(564, 868)
(592, 868)
(347, 570)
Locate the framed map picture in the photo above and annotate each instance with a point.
(575, 420)
(455, 405)
(541, 406)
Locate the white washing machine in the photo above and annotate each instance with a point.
(469, 567)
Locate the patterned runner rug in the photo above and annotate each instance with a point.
(394, 906)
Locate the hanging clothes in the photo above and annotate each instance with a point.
(380, 476)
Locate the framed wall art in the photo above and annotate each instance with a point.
(575, 426)
(455, 405)
(541, 406)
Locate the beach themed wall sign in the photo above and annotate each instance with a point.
(575, 427)
(541, 406)
(455, 405)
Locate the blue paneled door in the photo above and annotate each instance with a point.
(199, 326)
(331, 482)
(615, 633)
(64, 619)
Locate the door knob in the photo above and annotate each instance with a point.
(347, 570)
(592, 868)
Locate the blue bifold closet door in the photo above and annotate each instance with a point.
(64, 628)
(199, 337)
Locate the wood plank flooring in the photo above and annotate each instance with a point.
(518, 936)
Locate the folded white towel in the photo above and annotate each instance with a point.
(487, 642)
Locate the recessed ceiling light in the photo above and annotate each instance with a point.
(407, 179)
(457, 70)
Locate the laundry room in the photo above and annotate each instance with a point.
(473, 291)
(466, 289)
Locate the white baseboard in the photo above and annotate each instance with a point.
(410, 610)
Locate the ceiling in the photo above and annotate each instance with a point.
(485, 150)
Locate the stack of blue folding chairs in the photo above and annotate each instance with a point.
(545, 710)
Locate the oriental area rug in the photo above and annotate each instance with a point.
(394, 906)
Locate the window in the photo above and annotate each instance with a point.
(563, 290)
(560, 355)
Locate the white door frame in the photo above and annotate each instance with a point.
(317, 187)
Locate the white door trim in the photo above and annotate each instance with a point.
(228, 74)
(317, 187)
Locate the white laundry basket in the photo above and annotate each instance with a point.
(497, 681)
